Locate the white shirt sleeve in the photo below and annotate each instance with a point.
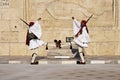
(76, 26)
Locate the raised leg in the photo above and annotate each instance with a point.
(70, 45)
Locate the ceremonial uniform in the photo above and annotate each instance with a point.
(81, 37)
(33, 39)
(36, 30)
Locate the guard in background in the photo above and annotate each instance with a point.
(81, 37)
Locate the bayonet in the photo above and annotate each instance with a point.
(89, 18)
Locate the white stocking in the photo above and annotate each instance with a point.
(81, 54)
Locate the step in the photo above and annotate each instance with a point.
(59, 57)
(64, 51)
(59, 50)
(58, 62)
(60, 53)
(64, 45)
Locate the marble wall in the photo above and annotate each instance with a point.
(56, 23)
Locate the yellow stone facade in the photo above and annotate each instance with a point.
(104, 26)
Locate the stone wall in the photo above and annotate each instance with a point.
(57, 24)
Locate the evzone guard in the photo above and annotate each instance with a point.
(33, 38)
(81, 37)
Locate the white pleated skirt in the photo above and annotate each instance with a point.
(35, 43)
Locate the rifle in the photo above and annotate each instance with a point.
(24, 21)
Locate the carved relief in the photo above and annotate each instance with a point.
(103, 10)
(4, 3)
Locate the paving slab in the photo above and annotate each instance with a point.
(59, 72)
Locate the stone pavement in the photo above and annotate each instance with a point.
(44, 60)
(59, 72)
